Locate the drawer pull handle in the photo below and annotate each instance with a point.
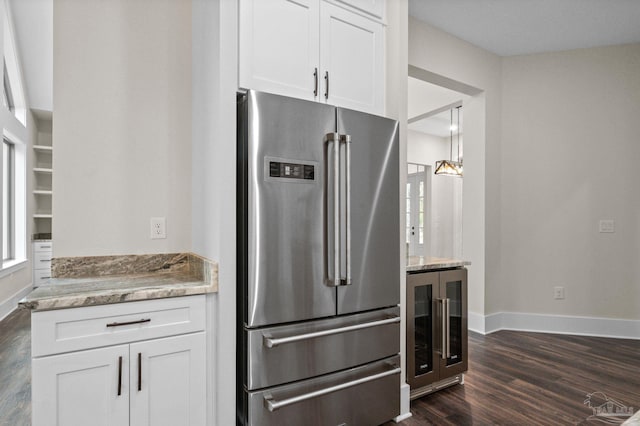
(45, 260)
(273, 405)
(271, 342)
(118, 324)
(139, 371)
(119, 376)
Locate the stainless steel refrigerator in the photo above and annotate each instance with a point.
(318, 264)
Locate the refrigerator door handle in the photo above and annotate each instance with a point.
(271, 342)
(273, 405)
(334, 139)
(346, 139)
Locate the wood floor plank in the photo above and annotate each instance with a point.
(519, 378)
(15, 369)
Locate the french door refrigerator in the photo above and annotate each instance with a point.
(318, 264)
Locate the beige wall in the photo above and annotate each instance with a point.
(122, 128)
(438, 52)
(556, 124)
(570, 126)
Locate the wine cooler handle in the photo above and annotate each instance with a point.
(443, 329)
(448, 328)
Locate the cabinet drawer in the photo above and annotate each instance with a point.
(41, 276)
(366, 395)
(43, 246)
(73, 329)
(41, 259)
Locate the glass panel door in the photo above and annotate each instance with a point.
(454, 295)
(416, 219)
(423, 319)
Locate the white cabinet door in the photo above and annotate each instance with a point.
(372, 7)
(82, 388)
(352, 53)
(168, 381)
(278, 46)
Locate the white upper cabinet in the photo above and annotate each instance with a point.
(372, 7)
(331, 52)
(279, 45)
(352, 57)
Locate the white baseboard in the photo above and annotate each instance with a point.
(11, 303)
(560, 324)
(405, 400)
(476, 322)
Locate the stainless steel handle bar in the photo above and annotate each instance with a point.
(271, 342)
(273, 405)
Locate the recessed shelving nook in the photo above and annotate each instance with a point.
(42, 167)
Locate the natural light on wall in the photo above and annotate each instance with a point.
(14, 181)
(13, 89)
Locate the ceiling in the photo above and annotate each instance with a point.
(519, 27)
(429, 99)
(33, 24)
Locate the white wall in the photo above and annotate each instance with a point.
(445, 55)
(570, 158)
(214, 174)
(122, 126)
(445, 227)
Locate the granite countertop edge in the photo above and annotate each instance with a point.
(421, 264)
(136, 278)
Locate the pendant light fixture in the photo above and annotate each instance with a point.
(450, 167)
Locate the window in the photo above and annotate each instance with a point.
(13, 91)
(8, 201)
(14, 201)
(7, 98)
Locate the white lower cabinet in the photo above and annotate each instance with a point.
(81, 388)
(158, 382)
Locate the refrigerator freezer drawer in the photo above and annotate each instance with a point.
(366, 395)
(284, 354)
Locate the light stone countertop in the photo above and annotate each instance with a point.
(421, 263)
(87, 281)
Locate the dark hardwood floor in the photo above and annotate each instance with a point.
(15, 369)
(514, 378)
(518, 378)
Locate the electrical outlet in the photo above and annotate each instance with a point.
(558, 293)
(158, 228)
(607, 226)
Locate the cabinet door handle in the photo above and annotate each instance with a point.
(139, 371)
(326, 84)
(119, 376)
(119, 324)
(315, 79)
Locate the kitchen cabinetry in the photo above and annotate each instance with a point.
(42, 254)
(436, 330)
(42, 197)
(135, 363)
(315, 50)
(43, 172)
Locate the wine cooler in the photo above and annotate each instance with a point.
(436, 330)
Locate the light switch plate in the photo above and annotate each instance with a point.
(607, 226)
